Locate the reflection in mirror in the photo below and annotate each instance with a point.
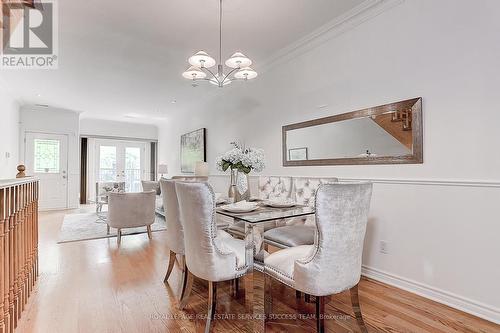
(384, 134)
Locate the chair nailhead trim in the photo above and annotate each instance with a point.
(280, 279)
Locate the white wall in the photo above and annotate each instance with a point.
(56, 121)
(110, 128)
(9, 135)
(440, 218)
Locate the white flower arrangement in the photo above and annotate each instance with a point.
(242, 159)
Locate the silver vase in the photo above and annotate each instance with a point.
(233, 193)
(246, 195)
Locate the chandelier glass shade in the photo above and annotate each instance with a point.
(201, 59)
(245, 73)
(238, 65)
(238, 60)
(193, 73)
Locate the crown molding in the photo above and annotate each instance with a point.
(32, 107)
(347, 21)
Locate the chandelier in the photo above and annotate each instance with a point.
(238, 65)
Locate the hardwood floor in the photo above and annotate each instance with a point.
(92, 286)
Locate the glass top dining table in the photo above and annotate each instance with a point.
(266, 213)
(255, 253)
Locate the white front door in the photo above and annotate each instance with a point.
(121, 161)
(47, 158)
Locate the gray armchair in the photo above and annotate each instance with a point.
(131, 210)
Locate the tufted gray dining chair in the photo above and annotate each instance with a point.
(333, 264)
(209, 254)
(131, 210)
(299, 231)
(270, 187)
(175, 232)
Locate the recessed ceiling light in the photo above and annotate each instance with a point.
(174, 101)
(39, 95)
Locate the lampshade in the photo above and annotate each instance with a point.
(202, 59)
(162, 168)
(238, 60)
(201, 169)
(194, 72)
(246, 73)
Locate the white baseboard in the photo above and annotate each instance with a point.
(455, 301)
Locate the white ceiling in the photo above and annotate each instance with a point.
(123, 59)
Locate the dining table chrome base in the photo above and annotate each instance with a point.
(254, 291)
(258, 300)
(357, 309)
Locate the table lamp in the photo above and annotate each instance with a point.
(162, 169)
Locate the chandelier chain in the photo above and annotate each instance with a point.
(220, 31)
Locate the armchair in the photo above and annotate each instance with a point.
(131, 210)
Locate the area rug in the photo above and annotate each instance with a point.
(80, 227)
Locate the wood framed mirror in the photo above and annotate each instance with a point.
(385, 134)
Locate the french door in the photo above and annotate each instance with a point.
(47, 159)
(121, 161)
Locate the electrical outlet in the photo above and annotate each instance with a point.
(384, 247)
(7, 155)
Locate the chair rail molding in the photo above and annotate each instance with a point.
(431, 182)
(396, 181)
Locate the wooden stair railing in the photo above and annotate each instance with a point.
(18, 248)
(405, 117)
(389, 122)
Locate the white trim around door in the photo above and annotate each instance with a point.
(46, 157)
